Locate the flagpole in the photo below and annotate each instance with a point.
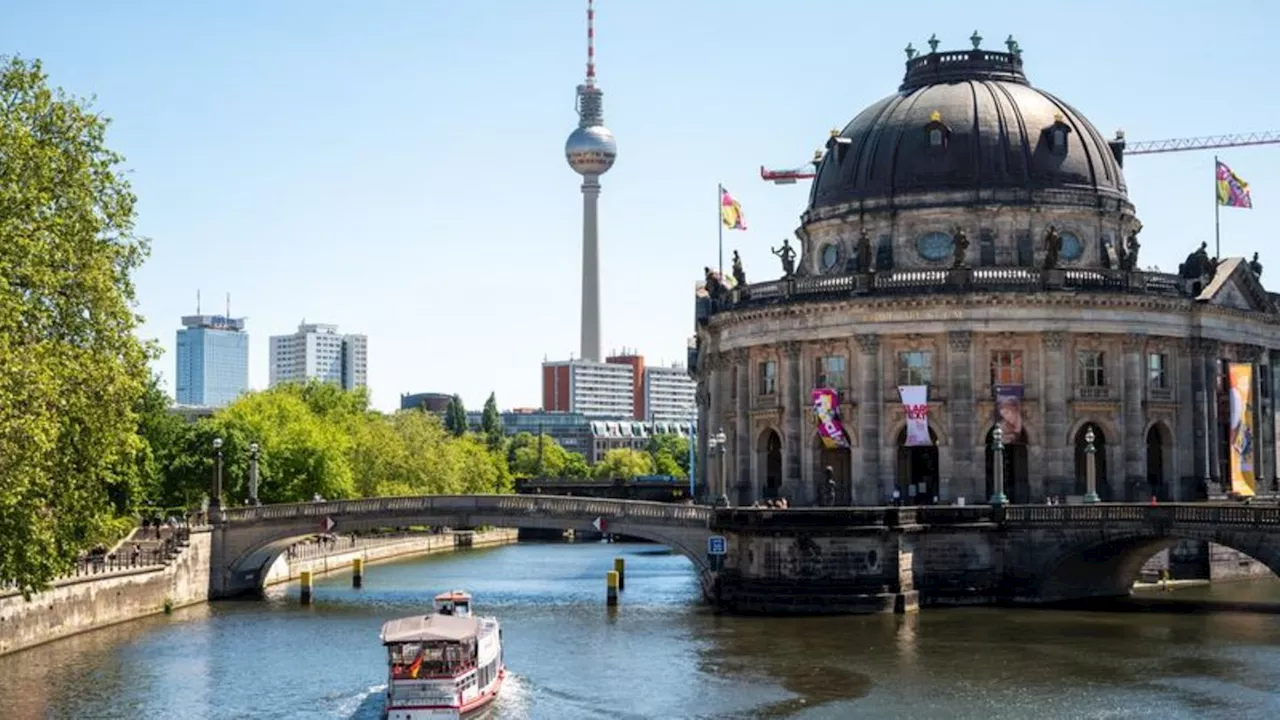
(720, 225)
(1217, 229)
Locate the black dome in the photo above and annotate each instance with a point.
(968, 121)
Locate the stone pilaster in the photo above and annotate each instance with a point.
(1132, 430)
(1059, 478)
(717, 396)
(1205, 412)
(794, 401)
(1186, 433)
(867, 489)
(965, 476)
(740, 469)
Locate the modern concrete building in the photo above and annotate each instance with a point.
(593, 389)
(670, 395)
(212, 366)
(970, 238)
(317, 351)
(571, 430)
(611, 435)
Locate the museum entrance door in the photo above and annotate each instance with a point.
(1017, 483)
(917, 480)
(838, 460)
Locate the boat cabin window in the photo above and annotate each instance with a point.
(458, 608)
(416, 661)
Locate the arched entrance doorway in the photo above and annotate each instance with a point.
(770, 463)
(917, 480)
(838, 459)
(1017, 484)
(1159, 451)
(1100, 458)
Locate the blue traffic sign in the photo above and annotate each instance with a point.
(717, 545)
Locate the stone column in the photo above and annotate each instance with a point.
(1205, 413)
(1212, 394)
(717, 398)
(740, 467)
(1132, 430)
(867, 490)
(1055, 442)
(963, 475)
(1186, 432)
(703, 398)
(793, 404)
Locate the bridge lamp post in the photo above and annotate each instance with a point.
(1090, 467)
(253, 474)
(713, 442)
(215, 502)
(997, 468)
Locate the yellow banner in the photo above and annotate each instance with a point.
(1243, 481)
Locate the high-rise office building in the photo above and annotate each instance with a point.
(212, 360)
(317, 351)
(620, 388)
(670, 395)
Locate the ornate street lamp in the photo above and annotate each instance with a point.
(997, 470)
(1090, 467)
(253, 474)
(718, 441)
(215, 502)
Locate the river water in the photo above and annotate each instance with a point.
(660, 655)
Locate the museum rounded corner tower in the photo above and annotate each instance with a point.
(967, 276)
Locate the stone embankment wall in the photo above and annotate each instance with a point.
(75, 605)
(285, 569)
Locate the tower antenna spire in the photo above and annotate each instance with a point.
(591, 43)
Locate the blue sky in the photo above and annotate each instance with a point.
(397, 167)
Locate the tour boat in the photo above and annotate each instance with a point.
(444, 665)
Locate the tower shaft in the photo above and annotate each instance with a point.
(591, 345)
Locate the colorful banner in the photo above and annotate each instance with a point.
(825, 402)
(1243, 481)
(1233, 191)
(1009, 412)
(915, 405)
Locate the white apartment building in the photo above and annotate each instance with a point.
(670, 395)
(594, 389)
(318, 351)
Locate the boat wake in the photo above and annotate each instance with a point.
(361, 705)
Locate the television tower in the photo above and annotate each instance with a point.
(590, 151)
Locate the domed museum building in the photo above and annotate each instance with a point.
(967, 276)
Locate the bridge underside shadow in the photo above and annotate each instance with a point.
(1109, 567)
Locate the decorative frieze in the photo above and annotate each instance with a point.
(960, 340)
(869, 344)
(1054, 340)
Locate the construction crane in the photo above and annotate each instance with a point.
(1147, 147)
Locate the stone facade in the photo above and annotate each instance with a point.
(1145, 373)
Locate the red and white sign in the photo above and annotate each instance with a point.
(327, 524)
(600, 524)
(915, 405)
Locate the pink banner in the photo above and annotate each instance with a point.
(825, 409)
(915, 404)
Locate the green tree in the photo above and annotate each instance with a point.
(491, 422)
(455, 417)
(71, 368)
(624, 464)
(164, 433)
(670, 454)
(575, 466)
(527, 458)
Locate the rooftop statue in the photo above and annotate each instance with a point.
(962, 248)
(788, 256)
(1052, 248)
(739, 275)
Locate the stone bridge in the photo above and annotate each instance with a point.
(809, 560)
(247, 540)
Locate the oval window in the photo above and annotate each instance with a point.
(830, 255)
(1072, 248)
(936, 246)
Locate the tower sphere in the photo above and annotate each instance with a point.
(591, 150)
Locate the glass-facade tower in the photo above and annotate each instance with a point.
(213, 360)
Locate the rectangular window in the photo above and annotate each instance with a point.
(1006, 367)
(1092, 374)
(1158, 371)
(986, 248)
(829, 372)
(1026, 252)
(884, 253)
(915, 367)
(768, 377)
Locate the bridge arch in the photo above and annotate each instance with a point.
(248, 540)
(1103, 560)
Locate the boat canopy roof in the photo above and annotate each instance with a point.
(427, 628)
(456, 596)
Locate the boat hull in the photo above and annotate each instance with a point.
(473, 708)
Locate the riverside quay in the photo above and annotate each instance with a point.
(966, 309)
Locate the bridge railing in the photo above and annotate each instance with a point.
(1181, 513)
(638, 511)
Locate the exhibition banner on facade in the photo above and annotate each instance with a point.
(915, 405)
(1243, 479)
(825, 409)
(1009, 412)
